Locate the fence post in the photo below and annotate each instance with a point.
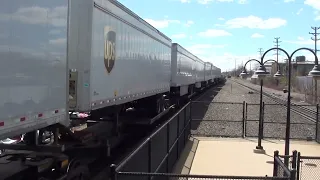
(294, 159)
(185, 126)
(168, 145)
(190, 119)
(293, 173)
(246, 111)
(243, 119)
(113, 173)
(275, 163)
(178, 128)
(149, 155)
(298, 165)
(317, 122)
(262, 120)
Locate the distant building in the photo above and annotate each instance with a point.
(300, 67)
(271, 67)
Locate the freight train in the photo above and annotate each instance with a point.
(67, 59)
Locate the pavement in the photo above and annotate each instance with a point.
(236, 157)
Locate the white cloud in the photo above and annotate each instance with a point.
(204, 49)
(214, 33)
(204, 1)
(221, 19)
(300, 38)
(313, 3)
(55, 31)
(209, 1)
(179, 36)
(300, 41)
(189, 23)
(254, 22)
(38, 15)
(243, 1)
(57, 42)
(316, 5)
(287, 1)
(226, 61)
(161, 23)
(299, 11)
(257, 35)
(224, 0)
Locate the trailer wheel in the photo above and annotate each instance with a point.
(163, 104)
(159, 105)
(79, 173)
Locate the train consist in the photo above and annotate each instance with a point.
(86, 58)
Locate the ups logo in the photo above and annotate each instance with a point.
(109, 48)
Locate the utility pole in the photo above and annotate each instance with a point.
(235, 67)
(261, 53)
(250, 66)
(315, 33)
(277, 46)
(277, 53)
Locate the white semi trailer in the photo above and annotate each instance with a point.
(66, 63)
(67, 57)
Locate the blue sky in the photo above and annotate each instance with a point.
(225, 31)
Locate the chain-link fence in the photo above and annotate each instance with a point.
(303, 121)
(222, 119)
(252, 120)
(159, 152)
(155, 157)
(308, 167)
(166, 176)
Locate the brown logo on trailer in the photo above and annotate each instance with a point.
(109, 48)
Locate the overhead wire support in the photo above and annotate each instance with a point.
(315, 38)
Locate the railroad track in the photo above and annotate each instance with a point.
(303, 111)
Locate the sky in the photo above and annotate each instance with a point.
(230, 32)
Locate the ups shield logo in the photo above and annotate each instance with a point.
(109, 48)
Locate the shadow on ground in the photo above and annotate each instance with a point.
(184, 163)
(200, 107)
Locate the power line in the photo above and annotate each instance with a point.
(315, 38)
(277, 46)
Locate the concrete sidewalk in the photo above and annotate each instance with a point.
(235, 157)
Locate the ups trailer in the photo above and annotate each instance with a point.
(69, 68)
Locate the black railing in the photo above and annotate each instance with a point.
(280, 169)
(159, 152)
(167, 176)
(308, 167)
(156, 156)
